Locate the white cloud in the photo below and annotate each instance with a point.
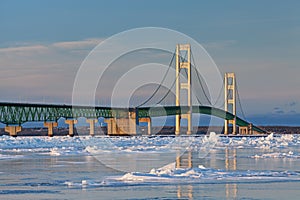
(88, 43)
(32, 48)
(67, 45)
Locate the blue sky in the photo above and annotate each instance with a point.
(43, 43)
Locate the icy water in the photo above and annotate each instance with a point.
(206, 167)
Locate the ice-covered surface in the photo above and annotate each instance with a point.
(271, 141)
(170, 175)
(289, 154)
(63, 163)
(57, 146)
(3, 157)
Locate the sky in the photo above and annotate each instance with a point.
(44, 42)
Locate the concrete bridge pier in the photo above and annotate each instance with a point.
(149, 123)
(13, 130)
(50, 126)
(247, 130)
(92, 125)
(128, 124)
(71, 123)
(111, 126)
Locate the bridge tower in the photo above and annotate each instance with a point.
(230, 100)
(185, 64)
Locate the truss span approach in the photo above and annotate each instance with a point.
(19, 113)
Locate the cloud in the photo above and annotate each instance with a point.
(67, 45)
(32, 48)
(27, 56)
(33, 69)
(87, 43)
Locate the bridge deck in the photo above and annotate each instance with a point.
(19, 113)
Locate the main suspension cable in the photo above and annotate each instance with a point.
(219, 96)
(202, 87)
(239, 101)
(159, 86)
(176, 78)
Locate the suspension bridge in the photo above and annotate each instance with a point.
(126, 121)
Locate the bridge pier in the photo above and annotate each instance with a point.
(148, 120)
(111, 126)
(92, 125)
(247, 130)
(243, 130)
(71, 123)
(177, 125)
(50, 126)
(13, 130)
(128, 124)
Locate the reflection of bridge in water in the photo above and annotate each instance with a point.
(126, 121)
(191, 160)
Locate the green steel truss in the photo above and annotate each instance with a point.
(19, 113)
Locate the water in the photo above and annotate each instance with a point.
(150, 167)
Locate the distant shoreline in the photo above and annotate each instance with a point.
(167, 130)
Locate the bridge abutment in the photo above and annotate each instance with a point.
(50, 126)
(71, 123)
(13, 130)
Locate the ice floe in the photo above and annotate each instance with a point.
(58, 146)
